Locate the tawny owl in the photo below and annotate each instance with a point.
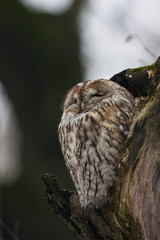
(92, 133)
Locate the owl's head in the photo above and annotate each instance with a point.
(86, 95)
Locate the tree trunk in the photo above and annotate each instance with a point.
(134, 209)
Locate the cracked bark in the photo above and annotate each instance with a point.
(133, 210)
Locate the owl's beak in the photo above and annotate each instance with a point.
(83, 105)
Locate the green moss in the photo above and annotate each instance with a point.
(142, 69)
(131, 228)
(126, 227)
(136, 162)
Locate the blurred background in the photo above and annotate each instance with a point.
(46, 47)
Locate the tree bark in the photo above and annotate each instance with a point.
(133, 211)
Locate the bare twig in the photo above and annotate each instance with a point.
(8, 230)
